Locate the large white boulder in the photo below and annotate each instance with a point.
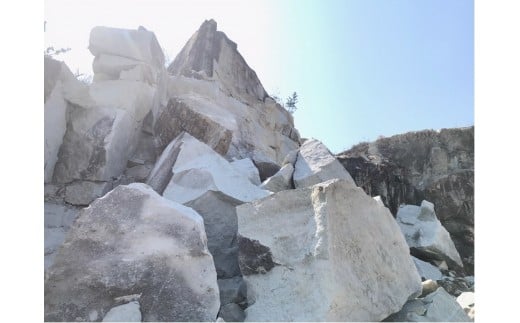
(140, 44)
(323, 253)
(133, 241)
(425, 234)
(315, 164)
(198, 169)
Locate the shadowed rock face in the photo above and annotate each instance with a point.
(424, 165)
(210, 54)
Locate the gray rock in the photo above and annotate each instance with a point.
(133, 241)
(347, 249)
(100, 139)
(260, 128)
(248, 168)
(181, 115)
(232, 313)
(129, 312)
(232, 290)
(437, 166)
(138, 173)
(280, 181)
(209, 54)
(426, 270)
(290, 158)
(442, 307)
(84, 192)
(425, 234)
(220, 222)
(315, 164)
(58, 219)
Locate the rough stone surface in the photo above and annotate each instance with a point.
(84, 192)
(60, 89)
(129, 312)
(248, 168)
(280, 181)
(220, 222)
(181, 115)
(100, 140)
(438, 306)
(209, 54)
(198, 169)
(290, 158)
(58, 219)
(211, 78)
(347, 249)
(437, 166)
(315, 164)
(232, 313)
(442, 307)
(425, 234)
(232, 290)
(427, 270)
(133, 241)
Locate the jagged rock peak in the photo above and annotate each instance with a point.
(210, 54)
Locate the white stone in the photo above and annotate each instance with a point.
(323, 253)
(427, 270)
(467, 301)
(378, 200)
(280, 181)
(198, 169)
(425, 234)
(113, 65)
(138, 44)
(129, 312)
(246, 167)
(315, 164)
(133, 241)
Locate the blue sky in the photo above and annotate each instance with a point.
(362, 68)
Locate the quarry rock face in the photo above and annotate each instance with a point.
(347, 249)
(315, 164)
(218, 88)
(437, 166)
(132, 241)
(209, 54)
(187, 194)
(425, 234)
